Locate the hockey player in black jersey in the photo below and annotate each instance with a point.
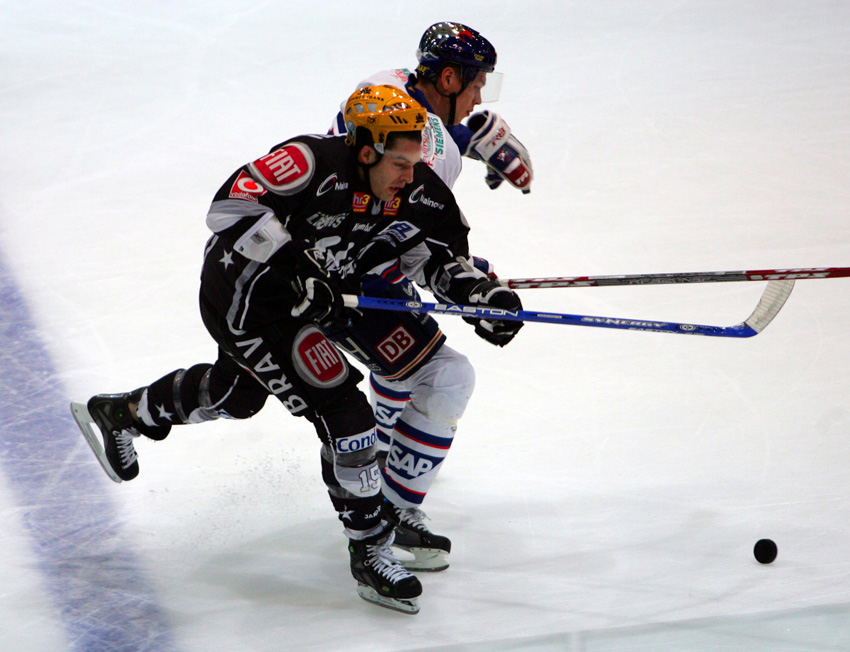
(292, 231)
(456, 66)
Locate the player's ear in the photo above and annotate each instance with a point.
(449, 79)
(367, 155)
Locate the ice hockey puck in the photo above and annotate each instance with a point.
(765, 551)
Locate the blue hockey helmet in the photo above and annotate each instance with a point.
(445, 44)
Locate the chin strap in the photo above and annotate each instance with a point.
(452, 108)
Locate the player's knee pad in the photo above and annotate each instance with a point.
(231, 397)
(388, 399)
(347, 431)
(442, 388)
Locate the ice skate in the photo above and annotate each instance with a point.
(380, 577)
(430, 551)
(113, 446)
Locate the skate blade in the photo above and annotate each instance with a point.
(87, 426)
(429, 560)
(404, 605)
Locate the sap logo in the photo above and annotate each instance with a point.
(386, 415)
(412, 466)
(356, 443)
(331, 183)
(323, 221)
(417, 197)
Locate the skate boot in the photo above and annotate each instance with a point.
(430, 551)
(111, 414)
(380, 577)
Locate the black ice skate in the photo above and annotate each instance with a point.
(111, 414)
(430, 551)
(380, 577)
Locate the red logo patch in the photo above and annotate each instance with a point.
(359, 202)
(396, 344)
(319, 359)
(245, 187)
(285, 169)
(392, 206)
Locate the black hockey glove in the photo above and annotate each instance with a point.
(506, 158)
(493, 294)
(319, 301)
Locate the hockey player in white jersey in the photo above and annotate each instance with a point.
(417, 410)
(454, 74)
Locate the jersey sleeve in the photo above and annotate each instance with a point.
(248, 209)
(462, 135)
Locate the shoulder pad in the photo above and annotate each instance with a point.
(286, 169)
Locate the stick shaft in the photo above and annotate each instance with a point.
(771, 302)
(684, 277)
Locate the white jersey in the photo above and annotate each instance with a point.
(445, 157)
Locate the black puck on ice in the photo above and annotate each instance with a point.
(765, 551)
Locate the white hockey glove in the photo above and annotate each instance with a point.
(506, 158)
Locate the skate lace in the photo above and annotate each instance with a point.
(414, 518)
(124, 444)
(385, 563)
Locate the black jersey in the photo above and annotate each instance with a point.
(311, 185)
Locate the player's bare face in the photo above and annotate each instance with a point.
(395, 169)
(470, 97)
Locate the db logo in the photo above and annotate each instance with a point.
(396, 344)
(245, 187)
(359, 202)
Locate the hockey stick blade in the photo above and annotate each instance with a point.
(769, 305)
(94, 439)
(807, 273)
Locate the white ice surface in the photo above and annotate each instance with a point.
(604, 486)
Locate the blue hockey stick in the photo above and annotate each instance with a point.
(772, 300)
